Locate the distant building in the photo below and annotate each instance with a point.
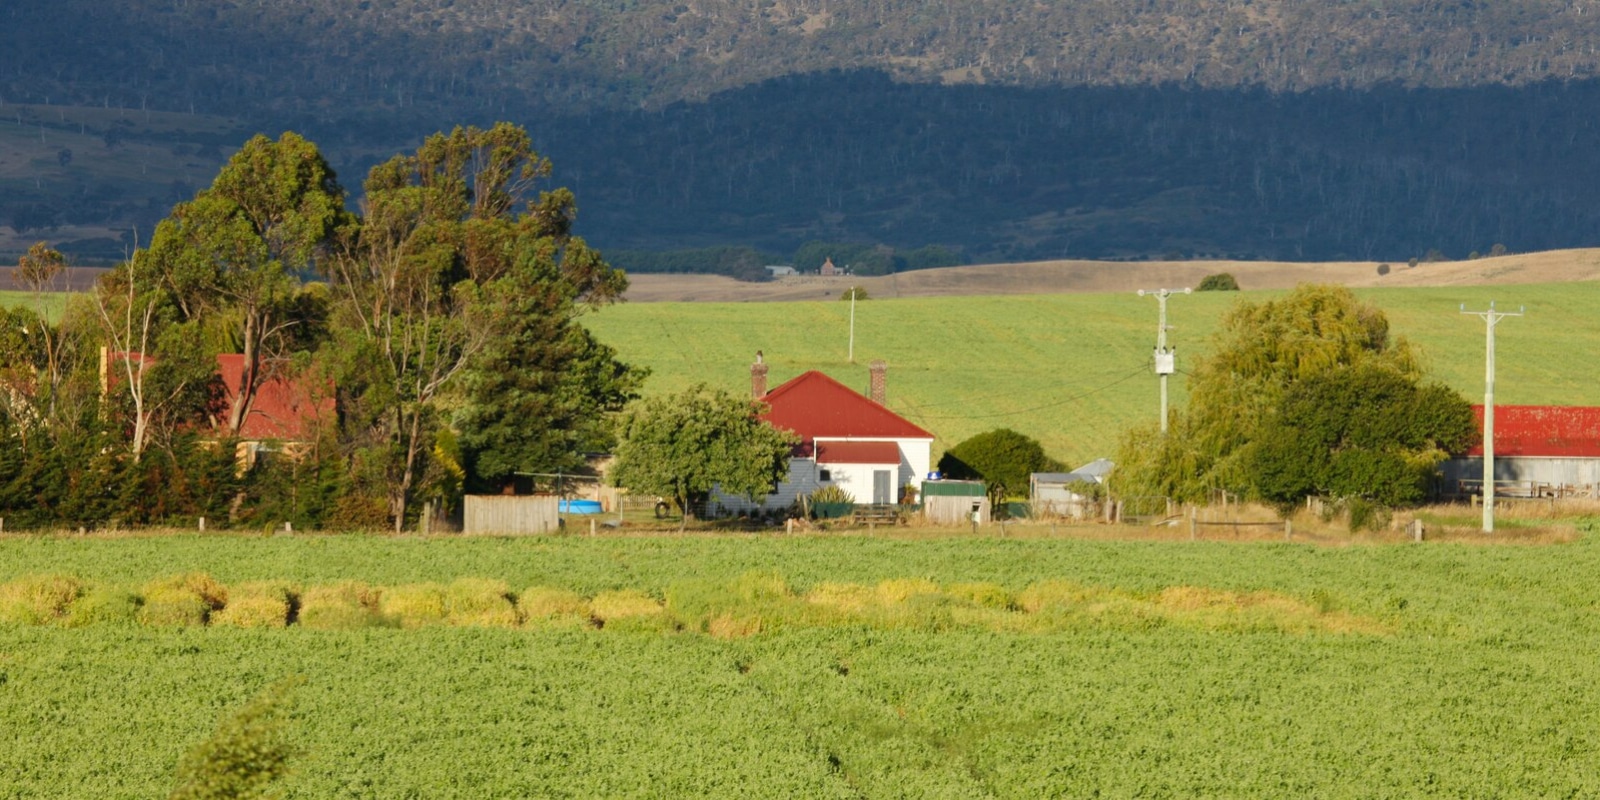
(828, 269)
(1052, 492)
(1544, 451)
(847, 439)
(781, 270)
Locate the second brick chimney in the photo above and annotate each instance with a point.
(758, 377)
(878, 387)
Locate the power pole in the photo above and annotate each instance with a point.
(852, 325)
(1491, 318)
(1166, 363)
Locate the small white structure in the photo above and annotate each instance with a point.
(781, 270)
(847, 440)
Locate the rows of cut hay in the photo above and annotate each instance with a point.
(746, 606)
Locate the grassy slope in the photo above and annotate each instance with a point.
(1493, 653)
(1072, 370)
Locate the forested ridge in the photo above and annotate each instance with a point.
(1000, 131)
(323, 57)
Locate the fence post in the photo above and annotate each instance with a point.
(202, 524)
(1288, 528)
(1193, 514)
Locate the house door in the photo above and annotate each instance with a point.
(881, 484)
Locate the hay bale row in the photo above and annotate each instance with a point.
(751, 604)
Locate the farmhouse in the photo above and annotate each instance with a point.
(284, 414)
(847, 439)
(1538, 451)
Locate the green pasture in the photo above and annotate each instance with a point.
(53, 303)
(1074, 370)
(1482, 684)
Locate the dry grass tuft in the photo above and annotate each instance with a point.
(1052, 594)
(845, 597)
(629, 609)
(38, 599)
(899, 590)
(104, 604)
(261, 604)
(481, 602)
(730, 626)
(414, 605)
(983, 595)
(182, 600)
(543, 605)
(343, 606)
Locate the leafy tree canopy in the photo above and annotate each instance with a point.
(683, 445)
(1001, 457)
(1268, 366)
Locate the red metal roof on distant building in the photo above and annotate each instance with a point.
(1543, 431)
(858, 453)
(812, 404)
(283, 409)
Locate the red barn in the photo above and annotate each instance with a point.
(1538, 451)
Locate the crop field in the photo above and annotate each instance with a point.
(1074, 370)
(822, 666)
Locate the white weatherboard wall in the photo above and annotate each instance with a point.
(804, 477)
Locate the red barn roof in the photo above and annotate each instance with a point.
(858, 453)
(1543, 431)
(283, 409)
(814, 405)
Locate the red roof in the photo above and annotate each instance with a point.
(858, 453)
(1543, 431)
(283, 409)
(812, 404)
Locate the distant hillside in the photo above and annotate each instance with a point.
(1075, 277)
(371, 59)
(999, 131)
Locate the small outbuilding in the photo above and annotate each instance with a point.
(1059, 493)
(955, 502)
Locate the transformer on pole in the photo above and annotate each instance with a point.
(1166, 362)
(1491, 318)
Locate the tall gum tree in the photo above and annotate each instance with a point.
(231, 259)
(452, 255)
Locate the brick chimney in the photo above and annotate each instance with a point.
(758, 378)
(878, 388)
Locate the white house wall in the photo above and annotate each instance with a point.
(804, 478)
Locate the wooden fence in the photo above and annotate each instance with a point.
(538, 513)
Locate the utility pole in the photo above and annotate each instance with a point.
(1492, 318)
(1166, 363)
(852, 325)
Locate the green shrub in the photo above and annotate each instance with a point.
(1002, 458)
(832, 495)
(1220, 282)
(249, 751)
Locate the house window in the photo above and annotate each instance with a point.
(825, 475)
